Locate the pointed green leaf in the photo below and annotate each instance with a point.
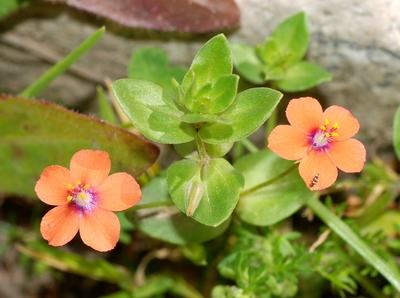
(270, 52)
(292, 37)
(252, 107)
(247, 63)
(35, 134)
(212, 61)
(152, 111)
(302, 76)
(219, 189)
(167, 222)
(151, 64)
(223, 93)
(276, 201)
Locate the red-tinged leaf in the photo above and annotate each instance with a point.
(195, 16)
(35, 134)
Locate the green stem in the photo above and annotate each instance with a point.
(62, 65)
(349, 236)
(152, 205)
(268, 182)
(201, 148)
(249, 146)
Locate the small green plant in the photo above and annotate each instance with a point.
(279, 59)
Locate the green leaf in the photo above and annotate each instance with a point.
(247, 63)
(189, 150)
(270, 52)
(302, 76)
(223, 93)
(385, 222)
(35, 134)
(151, 64)
(292, 37)
(95, 268)
(207, 192)
(61, 66)
(212, 61)
(105, 107)
(8, 6)
(152, 111)
(252, 107)
(195, 252)
(396, 133)
(155, 286)
(167, 222)
(199, 118)
(276, 201)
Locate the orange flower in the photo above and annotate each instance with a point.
(85, 196)
(320, 140)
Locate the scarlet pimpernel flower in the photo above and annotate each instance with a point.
(321, 140)
(85, 197)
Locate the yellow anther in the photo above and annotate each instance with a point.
(322, 127)
(327, 134)
(69, 198)
(326, 121)
(70, 186)
(82, 195)
(335, 125)
(335, 134)
(86, 186)
(79, 182)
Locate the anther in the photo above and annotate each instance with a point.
(70, 186)
(86, 186)
(69, 198)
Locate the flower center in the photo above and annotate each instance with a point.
(322, 137)
(82, 196)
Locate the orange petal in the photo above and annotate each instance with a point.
(348, 124)
(318, 163)
(288, 142)
(348, 155)
(51, 188)
(99, 229)
(119, 191)
(305, 114)
(90, 166)
(60, 225)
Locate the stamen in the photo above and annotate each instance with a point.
(82, 195)
(79, 182)
(322, 127)
(326, 121)
(70, 186)
(335, 125)
(86, 186)
(69, 198)
(327, 134)
(335, 134)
